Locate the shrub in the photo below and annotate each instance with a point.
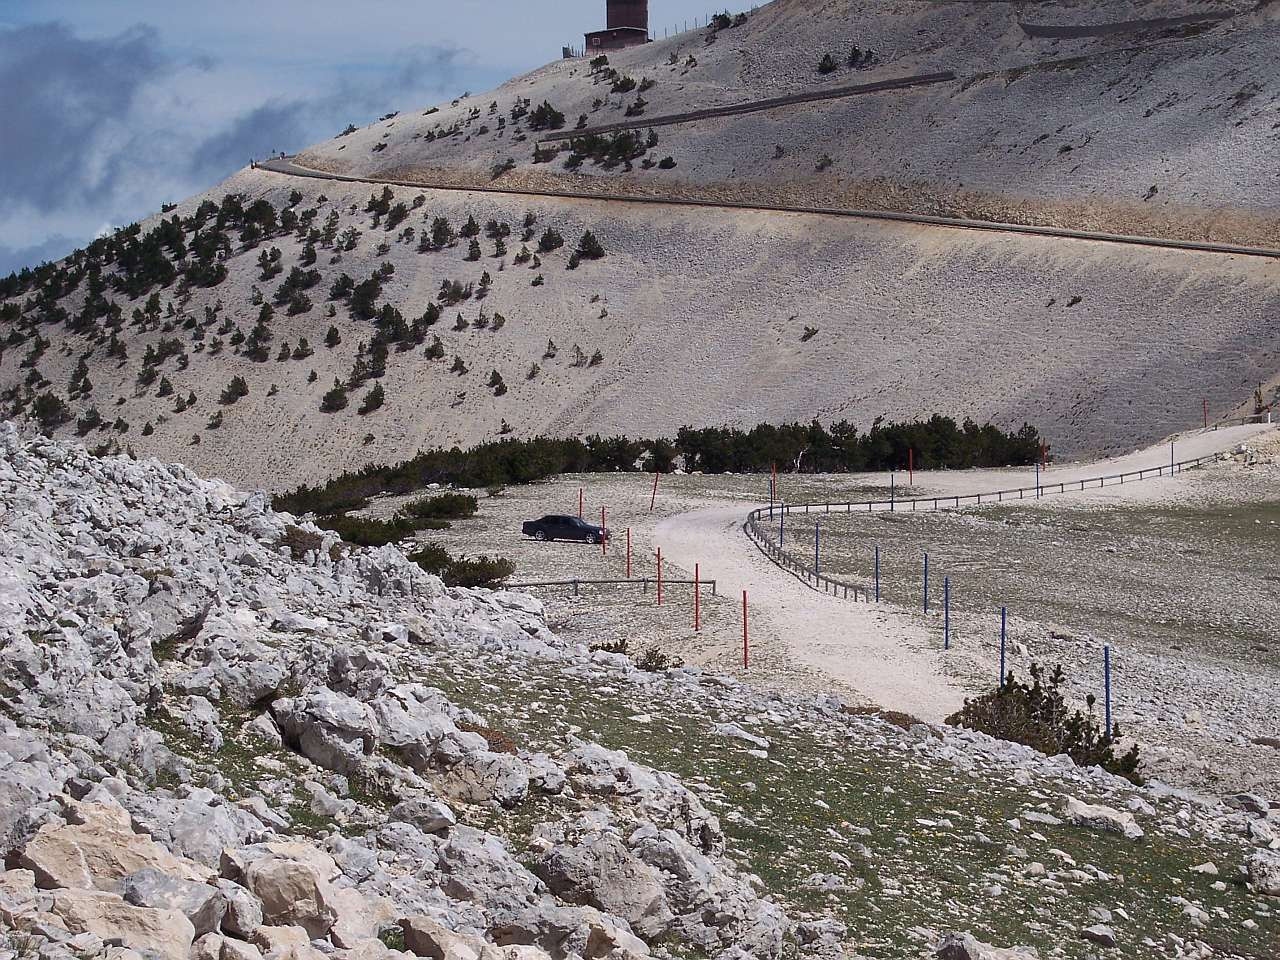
(236, 389)
(550, 240)
(827, 64)
(443, 506)
(372, 400)
(546, 117)
(1036, 715)
(589, 248)
(462, 572)
(667, 163)
(50, 411)
(335, 399)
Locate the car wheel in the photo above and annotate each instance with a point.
(539, 535)
(595, 538)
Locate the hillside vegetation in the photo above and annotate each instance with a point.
(282, 330)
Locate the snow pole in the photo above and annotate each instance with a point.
(654, 499)
(697, 599)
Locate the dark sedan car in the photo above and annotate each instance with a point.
(555, 527)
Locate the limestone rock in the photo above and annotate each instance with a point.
(1264, 872)
(99, 851)
(201, 903)
(165, 933)
(965, 946)
(1100, 817)
(292, 894)
(601, 872)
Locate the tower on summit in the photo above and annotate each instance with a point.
(627, 25)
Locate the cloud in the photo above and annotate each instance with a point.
(54, 248)
(63, 97)
(290, 124)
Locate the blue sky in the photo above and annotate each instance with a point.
(110, 108)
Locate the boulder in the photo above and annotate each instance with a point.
(1099, 817)
(601, 872)
(482, 775)
(1264, 872)
(292, 894)
(427, 815)
(166, 934)
(201, 903)
(965, 946)
(357, 917)
(244, 910)
(1100, 934)
(98, 850)
(239, 950)
(425, 937)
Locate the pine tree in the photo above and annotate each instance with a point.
(372, 400)
(332, 338)
(335, 399)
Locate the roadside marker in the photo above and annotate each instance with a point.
(659, 576)
(1106, 675)
(877, 573)
(1206, 413)
(579, 503)
(604, 536)
(911, 466)
(815, 549)
(628, 553)
(1004, 618)
(697, 598)
(926, 583)
(746, 646)
(946, 613)
(654, 499)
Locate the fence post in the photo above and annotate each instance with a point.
(946, 613)
(697, 599)
(1106, 678)
(1004, 616)
(877, 573)
(659, 576)
(926, 583)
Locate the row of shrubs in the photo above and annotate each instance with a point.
(938, 442)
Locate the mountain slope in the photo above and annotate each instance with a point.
(698, 316)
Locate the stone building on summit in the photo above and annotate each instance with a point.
(627, 25)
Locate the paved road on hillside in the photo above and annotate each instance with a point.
(289, 167)
(886, 653)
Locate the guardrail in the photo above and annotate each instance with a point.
(579, 583)
(755, 106)
(759, 523)
(1241, 421)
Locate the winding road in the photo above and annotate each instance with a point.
(889, 655)
(288, 166)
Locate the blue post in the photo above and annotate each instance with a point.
(877, 574)
(815, 550)
(1004, 621)
(1106, 674)
(926, 583)
(946, 613)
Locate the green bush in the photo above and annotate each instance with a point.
(1036, 715)
(444, 506)
(463, 572)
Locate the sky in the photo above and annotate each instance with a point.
(110, 108)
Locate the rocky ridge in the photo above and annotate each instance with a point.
(215, 742)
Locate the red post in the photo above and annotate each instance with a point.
(911, 467)
(659, 576)
(746, 647)
(654, 499)
(697, 609)
(579, 503)
(604, 535)
(1206, 413)
(628, 553)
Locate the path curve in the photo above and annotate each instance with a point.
(884, 652)
(288, 166)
